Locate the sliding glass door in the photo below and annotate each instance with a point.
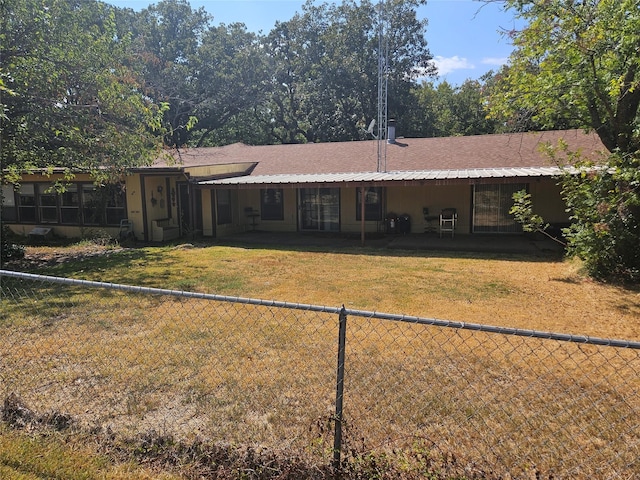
(491, 204)
(320, 209)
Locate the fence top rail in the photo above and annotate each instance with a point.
(562, 337)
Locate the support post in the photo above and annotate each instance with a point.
(363, 191)
(337, 439)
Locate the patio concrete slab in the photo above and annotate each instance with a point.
(537, 245)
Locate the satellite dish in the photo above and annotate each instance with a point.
(371, 127)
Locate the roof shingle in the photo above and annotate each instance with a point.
(500, 151)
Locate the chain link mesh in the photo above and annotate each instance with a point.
(252, 372)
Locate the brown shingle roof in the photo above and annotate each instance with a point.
(516, 150)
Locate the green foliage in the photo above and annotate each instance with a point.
(576, 63)
(205, 74)
(522, 210)
(76, 103)
(9, 249)
(325, 69)
(445, 110)
(605, 208)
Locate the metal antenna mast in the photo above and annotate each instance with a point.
(383, 53)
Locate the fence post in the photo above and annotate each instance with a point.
(337, 439)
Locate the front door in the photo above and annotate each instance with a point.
(320, 209)
(189, 210)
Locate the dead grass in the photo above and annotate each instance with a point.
(506, 290)
(191, 367)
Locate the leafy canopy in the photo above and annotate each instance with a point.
(76, 101)
(580, 61)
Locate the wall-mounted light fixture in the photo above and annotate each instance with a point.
(173, 196)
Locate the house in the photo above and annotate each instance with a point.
(398, 185)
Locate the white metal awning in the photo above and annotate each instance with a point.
(360, 177)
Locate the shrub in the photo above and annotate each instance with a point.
(605, 209)
(8, 249)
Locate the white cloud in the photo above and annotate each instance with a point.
(449, 64)
(495, 61)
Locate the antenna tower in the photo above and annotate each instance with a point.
(383, 54)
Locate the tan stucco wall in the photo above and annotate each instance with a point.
(547, 201)
(398, 199)
(251, 199)
(207, 214)
(134, 204)
(216, 170)
(411, 200)
(162, 205)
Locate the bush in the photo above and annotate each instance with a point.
(8, 249)
(605, 208)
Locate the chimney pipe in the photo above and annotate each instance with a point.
(391, 131)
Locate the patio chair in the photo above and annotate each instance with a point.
(252, 217)
(126, 230)
(429, 221)
(448, 220)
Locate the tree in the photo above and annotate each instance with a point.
(443, 110)
(232, 78)
(206, 74)
(325, 64)
(578, 60)
(75, 103)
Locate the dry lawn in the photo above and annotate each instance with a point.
(246, 372)
(523, 292)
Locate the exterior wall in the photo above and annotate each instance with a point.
(400, 200)
(156, 203)
(411, 200)
(134, 205)
(208, 228)
(547, 201)
(155, 196)
(348, 213)
(250, 199)
(235, 226)
(231, 169)
(289, 223)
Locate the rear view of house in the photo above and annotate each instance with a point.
(330, 187)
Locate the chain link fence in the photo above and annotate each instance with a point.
(332, 384)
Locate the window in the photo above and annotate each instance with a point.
(223, 211)
(47, 203)
(372, 204)
(27, 203)
(70, 205)
(320, 209)
(92, 205)
(78, 204)
(115, 204)
(271, 204)
(9, 211)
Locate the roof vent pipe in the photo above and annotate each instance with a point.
(391, 131)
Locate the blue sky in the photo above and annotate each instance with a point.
(463, 35)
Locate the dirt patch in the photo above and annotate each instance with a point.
(40, 257)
